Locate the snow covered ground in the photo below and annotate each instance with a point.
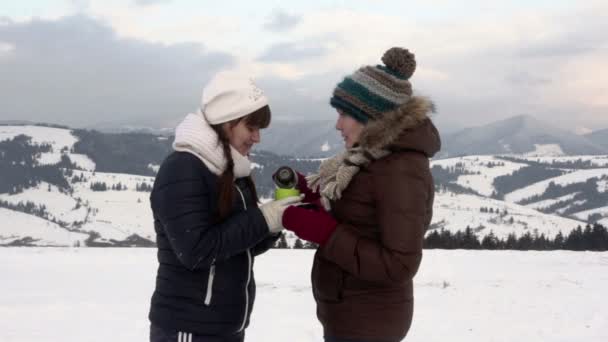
(17, 225)
(102, 294)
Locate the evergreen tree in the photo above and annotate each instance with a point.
(447, 240)
(599, 238)
(99, 186)
(469, 240)
(558, 241)
(432, 240)
(281, 243)
(490, 241)
(524, 242)
(310, 245)
(575, 240)
(511, 242)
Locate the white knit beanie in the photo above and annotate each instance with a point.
(229, 96)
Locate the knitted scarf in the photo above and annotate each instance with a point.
(194, 135)
(336, 173)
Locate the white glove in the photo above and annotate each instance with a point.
(273, 212)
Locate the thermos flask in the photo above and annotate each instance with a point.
(285, 180)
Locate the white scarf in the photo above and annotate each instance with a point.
(194, 135)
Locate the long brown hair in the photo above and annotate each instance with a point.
(258, 119)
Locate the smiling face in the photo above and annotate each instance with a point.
(349, 128)
(242, 136)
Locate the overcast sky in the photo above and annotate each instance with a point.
(145, 62)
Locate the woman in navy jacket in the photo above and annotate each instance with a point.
(208, 224)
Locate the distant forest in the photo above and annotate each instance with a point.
(591, 238)
(20, 170)
(131, 153)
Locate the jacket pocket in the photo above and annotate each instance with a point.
(327, 280)
(210, 279)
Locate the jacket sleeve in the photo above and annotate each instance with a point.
(401, 195)
(182, 206)
(266, 244)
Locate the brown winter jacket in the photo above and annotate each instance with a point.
(362, 277)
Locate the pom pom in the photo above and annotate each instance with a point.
(401, 61)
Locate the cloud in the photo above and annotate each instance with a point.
(77, 71)
(477, 68)
(80, 5)
(6, 48)
(150, 2)
(523, 78)
(291, 52)
(281, 21)
(175, 23)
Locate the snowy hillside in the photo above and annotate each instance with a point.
(59, 205)
(17, 226)
(117, 214)
(455, 212)
(602, 213)
(574, 187)
(482, 171)
(113, 214)
(100, 208)
(61, 140)
(540, 187)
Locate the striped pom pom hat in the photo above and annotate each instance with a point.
(373, 90)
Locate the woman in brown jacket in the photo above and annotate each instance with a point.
(375, 202)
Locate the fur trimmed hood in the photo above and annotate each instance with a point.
(407, 127)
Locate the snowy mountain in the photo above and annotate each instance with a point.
(311, 138)
(599, 138)
(72, 187)
(518, 135)
(15, 122)
(572, 188)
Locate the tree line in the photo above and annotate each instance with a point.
(591, 238)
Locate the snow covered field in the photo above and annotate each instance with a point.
(102, 294)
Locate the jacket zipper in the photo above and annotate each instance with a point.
(211, 277)
(248, 272)
(210, 284)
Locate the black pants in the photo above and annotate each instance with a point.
(338, 339)
(158, 334)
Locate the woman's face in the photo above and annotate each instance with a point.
(349, 128)
(242, 136)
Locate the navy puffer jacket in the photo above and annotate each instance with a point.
(204, 283)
